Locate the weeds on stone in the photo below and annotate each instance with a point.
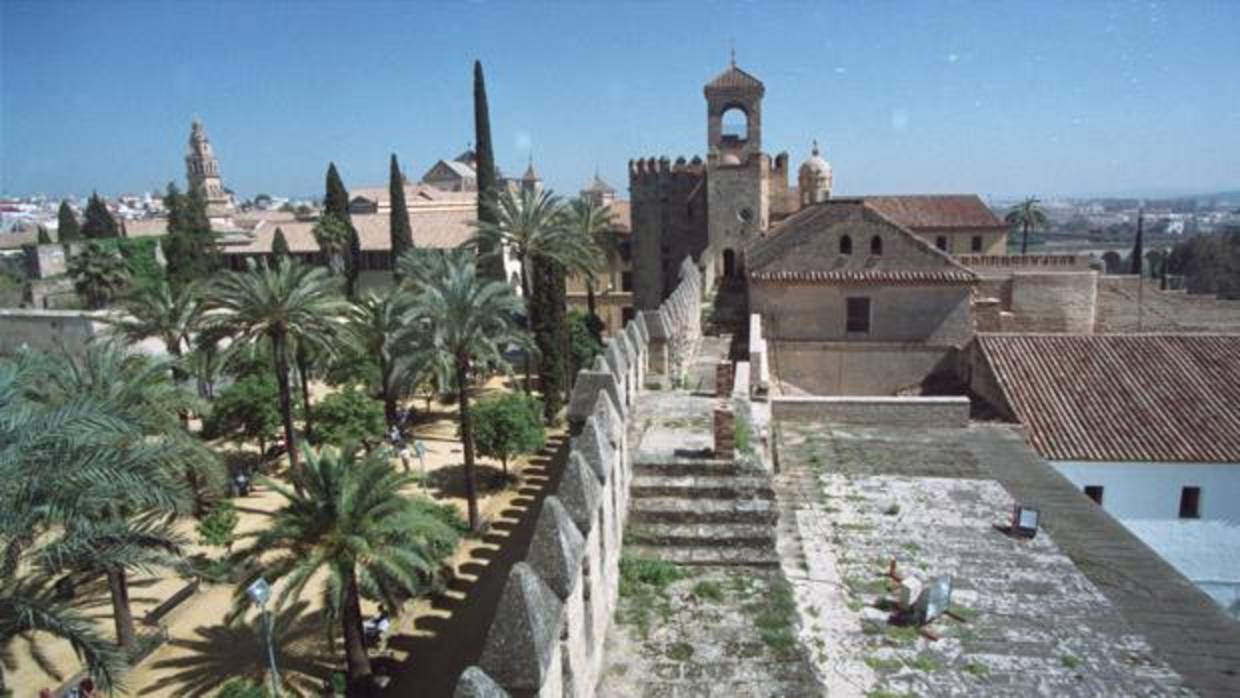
(1069, 661)
(884, 693)
(775, 617)
(679, 651)
(642, 582)
(925, 662)
(707, 590)
(880, 664)
(977, 669)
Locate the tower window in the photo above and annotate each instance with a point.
(735, 123)
(876, 245)
(846, 244)
(941, 242)
(858, 315)
(1094, 492)
(1190, 503)
(976, 243)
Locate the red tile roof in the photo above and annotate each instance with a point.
(936, 211)
(1126, 398)
(885, 276)
(734, 78)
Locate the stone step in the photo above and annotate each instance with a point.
(727, 468)
(701, 535)
(754, 556)
(694, 487)
(703, 510)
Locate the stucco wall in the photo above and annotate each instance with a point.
(46, 330)
(887, 411)
(856, 368)
(935, 314)
(1043, 301)
(1145, 497)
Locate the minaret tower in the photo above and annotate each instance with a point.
(202, 171)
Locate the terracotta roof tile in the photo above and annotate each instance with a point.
(912, 276)
(734, 78)
(1126, 398)
(929, 211)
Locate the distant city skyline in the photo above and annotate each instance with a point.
(1002, 99)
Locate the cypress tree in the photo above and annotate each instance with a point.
(43, 237)
(1138, 247)
(279, 247)
(189, 247)
(99, 222)
(550, 335)
(492, 266)
(67, 229)
(402, 233)
(336, 203)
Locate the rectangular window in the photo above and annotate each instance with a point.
(976, 245)
(626, 281)
(1094, 492)
(858, 319)
(941, 242)
(1190, 503)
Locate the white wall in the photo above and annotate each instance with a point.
(1145, 497)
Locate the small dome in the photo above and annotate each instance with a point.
(815, 165)
(731, 159)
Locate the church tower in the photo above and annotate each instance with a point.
(814, 179)
(737, 171)
(202, 171)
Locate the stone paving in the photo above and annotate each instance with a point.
(1034, 624)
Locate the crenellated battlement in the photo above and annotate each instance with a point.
(642, 170)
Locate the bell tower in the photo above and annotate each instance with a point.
(202, 171)
(737, 171)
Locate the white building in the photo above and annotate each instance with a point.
(1148, 426)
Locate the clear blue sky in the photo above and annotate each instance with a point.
(1000, 98)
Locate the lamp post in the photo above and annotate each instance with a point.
(259, 593)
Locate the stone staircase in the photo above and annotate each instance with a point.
(704, 513)
(729, 313)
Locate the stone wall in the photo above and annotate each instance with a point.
(856, 368)
(1044, 301)
(758, 359)
(47, 330)
(668, 208)
(674, 329)
(885, 411)
(546, 638)
(934, 314)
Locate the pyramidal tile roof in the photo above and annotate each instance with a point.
(734, 78)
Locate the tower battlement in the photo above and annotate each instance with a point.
(651, 170)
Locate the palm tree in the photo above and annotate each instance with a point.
(384, 328)
(82, 460)
(531, 226)
(593, 225)
(290, 304)
(170, 314)
(347, 519)
(98, 274)
(333, 237)
(1027, 214)
(469, 319)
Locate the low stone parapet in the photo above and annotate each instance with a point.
(950, 411)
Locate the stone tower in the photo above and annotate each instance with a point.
(530, 181)
(814, 179)
(202, 171)
(737, 171)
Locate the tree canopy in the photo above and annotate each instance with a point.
(99, 222)
(508, 425)
(68, 229)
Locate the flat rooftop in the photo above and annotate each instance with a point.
(1083, 609)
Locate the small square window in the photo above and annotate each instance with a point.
(626, 281)
(1190, 503)
(976, 243)
(1094, 492)
(858, 311)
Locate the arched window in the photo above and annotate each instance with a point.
(735, 123)
(845, 245)
(941, 242)
(876, 245)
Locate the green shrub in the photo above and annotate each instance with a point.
(508, 425)
(348, 416)
(219, 526)
(249, 408)
(242, 688)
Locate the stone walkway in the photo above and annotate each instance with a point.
(1034, 623)
(704, 609)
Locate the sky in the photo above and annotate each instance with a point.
(1003, 99)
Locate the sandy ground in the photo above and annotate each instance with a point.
(203, 651)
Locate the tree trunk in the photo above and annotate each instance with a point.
(1024, 238)
(467, 438)
(389, 398)
(356, 658)
(529, 323)
(590, 296)
(302, 371)
(121, 613)
(279, 355)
